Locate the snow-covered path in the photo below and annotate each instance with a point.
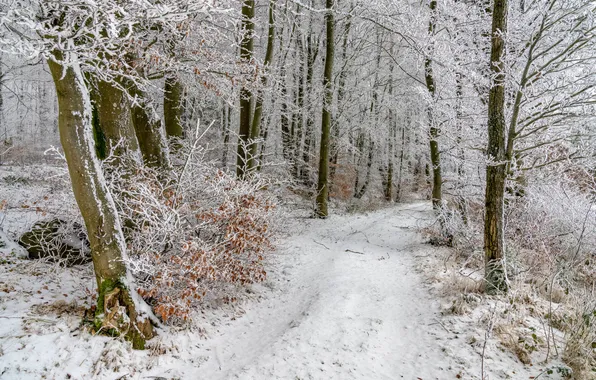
(343, 301)
(350, 307)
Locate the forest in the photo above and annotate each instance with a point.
(298, 189)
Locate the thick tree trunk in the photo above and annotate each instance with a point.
(323, 185)
(255, 129)
(118, 303)
(173, 108)
(113, 129)
(435, 155)
(246, 49)
(494, 239)
(149, 131)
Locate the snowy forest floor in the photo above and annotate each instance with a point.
(350, 297)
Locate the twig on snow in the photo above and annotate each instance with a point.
(349, 250)
(321, 244)
(440, 324)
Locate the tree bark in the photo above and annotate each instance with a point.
(435, 155)
(341, 89)
(312, 51)
(298, 115)
(173, 108)
(118, 303)
(149, 130)
(323, 185)
(494, 239)
(226, 119)
(255, 129)
(246, 49)
(114, 130)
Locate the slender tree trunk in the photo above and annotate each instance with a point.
(118, 303)
(285, 120)
(286, 132)
(298, 116)
(360, 153)
(461, 173)
(341, 88)
(255, 130)
(435, 155)
(323, 185)
(494, 239)
(399, 191)
(227, 113)
(360, 192)
(390, 154)
(312, 51)
(246, 50)
(173, 108)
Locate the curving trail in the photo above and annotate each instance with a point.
(343, 301)
(349, 305)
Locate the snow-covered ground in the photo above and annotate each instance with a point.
(345, 299)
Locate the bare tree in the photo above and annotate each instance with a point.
(494, 239)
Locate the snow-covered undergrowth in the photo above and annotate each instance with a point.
(344, 299)
(198, 235)
(549, 316)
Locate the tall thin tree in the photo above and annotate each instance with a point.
(246, 50)
(494, 239)
(323, 185)
(435, 154)
(255, 128)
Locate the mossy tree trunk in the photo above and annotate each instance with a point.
(113, 126)
(149, 131)
(246, 50)
(494, 239)
(118, 304)
(323, 184)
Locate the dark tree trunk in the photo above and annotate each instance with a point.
(399, 191)
(149, 130)
(341, 89)
(494, 239)
(246, 50)
(227, 116)
(369, 164)
(173, 108)
(255, 130)
(435, 155)
(323, 185)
